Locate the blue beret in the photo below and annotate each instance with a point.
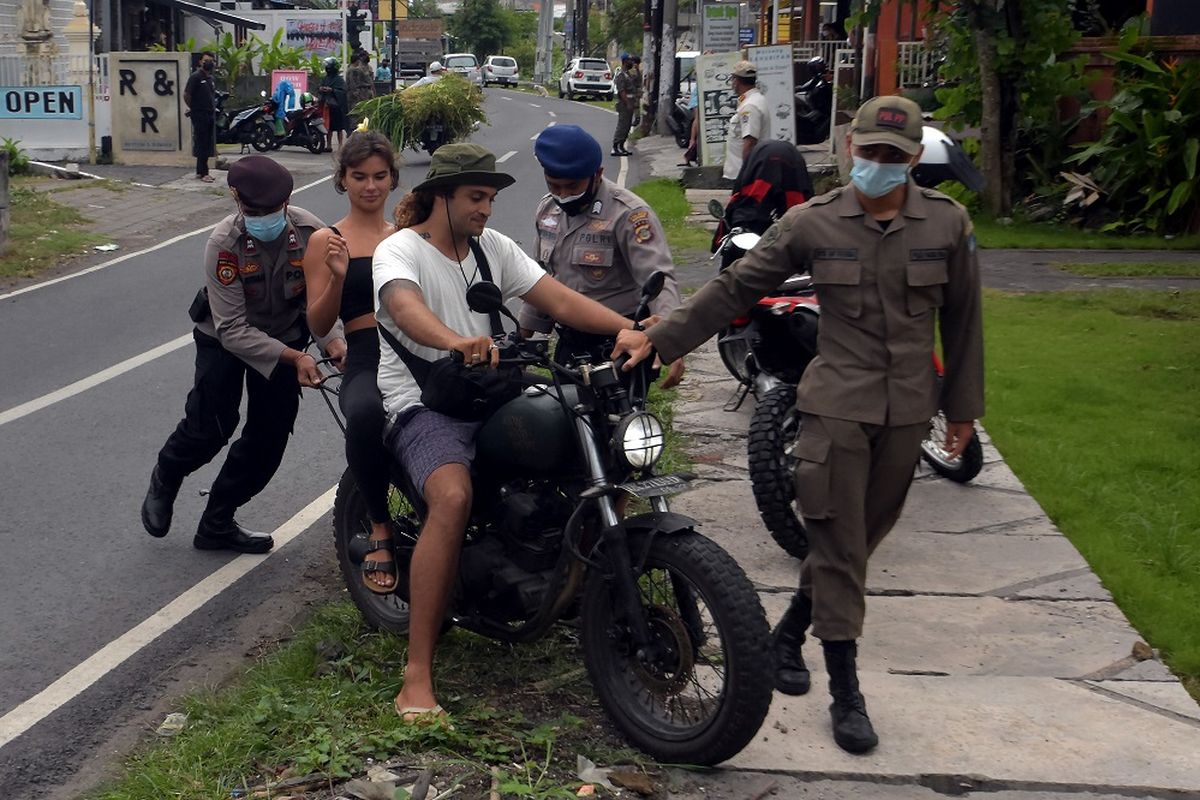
(568, 151)
(262, 183)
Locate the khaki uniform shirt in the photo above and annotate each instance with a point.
(626, 85)
(606, 253)
(879, 291)
(256, 290)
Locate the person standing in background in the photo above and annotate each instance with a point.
(751, 121)
(200, 97)
(625, 86)
(360, 85)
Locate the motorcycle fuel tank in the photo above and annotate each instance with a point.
(531, 434)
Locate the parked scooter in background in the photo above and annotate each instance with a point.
(248, 126)
(303, 126)
(814, 103)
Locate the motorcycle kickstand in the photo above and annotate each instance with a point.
(738, 397)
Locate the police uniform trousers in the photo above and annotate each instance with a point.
(624, 123)
(851, 482)
(211, 415)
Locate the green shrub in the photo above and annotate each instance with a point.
(402, 116)
(18, 162)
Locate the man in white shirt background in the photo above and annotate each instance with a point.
(750, 123)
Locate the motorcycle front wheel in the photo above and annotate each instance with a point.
(263, 137)
(701, 691)
(315, 143)
(773, 428)
(961, 469)
(351, 531)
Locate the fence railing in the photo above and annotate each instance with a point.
(916, 64)
(825, 48)
(58, 70)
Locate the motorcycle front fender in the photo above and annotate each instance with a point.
(656, 522)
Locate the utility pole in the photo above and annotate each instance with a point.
(392, 29)
(569, 35)
(668, 80)
(543, 65)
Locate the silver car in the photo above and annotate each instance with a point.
(465, 64)
(500, 69)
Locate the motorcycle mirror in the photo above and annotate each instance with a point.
(485, 298)
(263, 93)
(745, 240)
(653, 286)
(716, 209)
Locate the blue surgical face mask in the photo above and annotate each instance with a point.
(266, 228)
(874, 179)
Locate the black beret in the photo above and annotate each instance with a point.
(261, 183)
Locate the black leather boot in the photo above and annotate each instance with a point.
(852, 729)
(159, 504)
(791, 673)
(219, 531)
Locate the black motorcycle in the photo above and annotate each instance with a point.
(679, 121)
(248, 126)
(673, 636)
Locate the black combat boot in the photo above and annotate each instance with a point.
(852, 728)
(159, 503)
(219, 531)
(791, 673)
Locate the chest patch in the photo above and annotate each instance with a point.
(927, 255)
(549, 222)
(835, 254)
(249, 247)
(599, 225)
(227, 268)
(250, 268)
(293, 241)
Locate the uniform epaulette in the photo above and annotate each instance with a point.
(934, 194)
(823, 199)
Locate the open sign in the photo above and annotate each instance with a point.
(41, 102)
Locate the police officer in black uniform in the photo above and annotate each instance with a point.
(250, 330)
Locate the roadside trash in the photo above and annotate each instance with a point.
(638, 782)
(587, 771)
(366, 790)
(107, 248)
(172, 725)
(1142, 651)
(587, 790)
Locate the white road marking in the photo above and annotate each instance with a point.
(551, 113)
(79, 386)
(623, 172)
(534, 105)
(533, 138)
(506, 156)
(127, 256)
(121, 649)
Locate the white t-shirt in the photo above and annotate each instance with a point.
(752, 118)
(406, 256)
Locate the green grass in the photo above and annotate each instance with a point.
(1045, 236)
(323, 704)
(41, 232)
(1092, 400)
(1147, 269)
(667, 198)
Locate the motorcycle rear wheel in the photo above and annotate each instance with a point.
(961, 469)
(263, 138)
(773, 428)
(315, 143)
(351, 529)
(734, 355)
(703, 696)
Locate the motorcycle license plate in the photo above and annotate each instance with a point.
(658, 486)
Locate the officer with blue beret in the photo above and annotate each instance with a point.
(250, 332)
(597, 238)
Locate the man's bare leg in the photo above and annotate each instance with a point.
(431, 577)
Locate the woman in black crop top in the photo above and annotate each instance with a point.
(337, 273)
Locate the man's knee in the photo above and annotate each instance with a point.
(448, 490)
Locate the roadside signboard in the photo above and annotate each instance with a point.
(298, 78)
(321, 37)
(717, 103)
(720, 33)
(41, 102)
(775, 81)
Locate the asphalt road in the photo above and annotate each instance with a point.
(77, 572)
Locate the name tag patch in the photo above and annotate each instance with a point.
(927, 255)
(835, 254)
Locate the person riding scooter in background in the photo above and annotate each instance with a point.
(773, 179)
(814, 103)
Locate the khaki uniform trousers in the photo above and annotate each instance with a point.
(851, 482)
(624, 123)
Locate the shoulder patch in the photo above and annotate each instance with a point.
(227, 268)
(769, 237)
(639, 216)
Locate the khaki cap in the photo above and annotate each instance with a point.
(745, 70)
(888, 120)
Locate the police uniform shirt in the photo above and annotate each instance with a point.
(879, 289)
(752, 118)
(605, 253)
(625, 85)
(256, 289)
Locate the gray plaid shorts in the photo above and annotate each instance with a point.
(422, 440)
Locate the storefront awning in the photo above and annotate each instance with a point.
(198, 10)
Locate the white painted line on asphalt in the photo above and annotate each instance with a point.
(551, 113)
(506, 156)
(533, 138)
(534, 105)
(623, 172)
(121, 649)
(91, 381)
(113, 262)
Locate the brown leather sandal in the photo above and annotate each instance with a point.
(370, 565)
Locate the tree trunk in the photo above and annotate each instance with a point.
(991, 137)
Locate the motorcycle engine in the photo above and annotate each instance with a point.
(531, 526)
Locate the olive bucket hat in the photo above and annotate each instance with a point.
(464, 164)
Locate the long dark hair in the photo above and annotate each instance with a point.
(415, 207)
(357, 149)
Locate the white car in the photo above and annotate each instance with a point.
(500, 69)
(587, 76)
(465, 64)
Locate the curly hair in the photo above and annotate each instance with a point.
(357, 149)
(415, 207)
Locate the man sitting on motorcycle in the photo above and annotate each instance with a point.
(421, 274)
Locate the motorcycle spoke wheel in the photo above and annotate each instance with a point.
(961, 469)
(773, 429)
(351, 530)
(700, 691)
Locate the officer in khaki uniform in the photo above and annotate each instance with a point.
(596, 238)
(888, 259)
(627, 86)
(250, 329)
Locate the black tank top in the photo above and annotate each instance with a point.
(357, 289)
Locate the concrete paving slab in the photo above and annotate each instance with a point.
(997, 475)
(1167, 696)
(984, 636)
(948, 507)
(1077, 587)
(1001, 731)
(1146, 671)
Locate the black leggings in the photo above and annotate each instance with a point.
(362, 406)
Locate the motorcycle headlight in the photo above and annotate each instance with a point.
(639, 440)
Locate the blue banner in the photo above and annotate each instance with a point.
(41, 102)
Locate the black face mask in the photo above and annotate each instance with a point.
(581, 203)
(207, 66)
